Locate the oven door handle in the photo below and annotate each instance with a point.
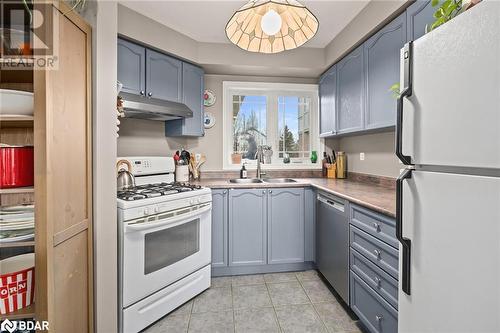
(167, 221)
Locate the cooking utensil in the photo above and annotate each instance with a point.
(16, 166)
(202, 160)
(124, 179)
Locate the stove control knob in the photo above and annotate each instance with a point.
(146, 211)
(192, 202)
(198, 200)
(156, 209)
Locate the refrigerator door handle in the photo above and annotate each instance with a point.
(405, 92)
(405, 242)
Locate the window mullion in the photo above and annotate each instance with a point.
(272, 125)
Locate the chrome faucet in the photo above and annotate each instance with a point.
(259, 155)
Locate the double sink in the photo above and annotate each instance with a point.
(264, 180)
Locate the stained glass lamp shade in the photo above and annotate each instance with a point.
(271, 26)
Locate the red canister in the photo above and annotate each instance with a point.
(16, 166)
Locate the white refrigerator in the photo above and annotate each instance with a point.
(448, 197)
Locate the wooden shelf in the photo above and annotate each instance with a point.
(17, 244)
(17, 190)
(28, 312)
(16, 121)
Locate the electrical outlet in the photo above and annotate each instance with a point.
(361, 156)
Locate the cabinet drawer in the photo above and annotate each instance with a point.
(385, 285)
(380, 226)
(378, 252)
(373, 311)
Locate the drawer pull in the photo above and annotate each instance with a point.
(377, 254)
(379, 318)
(377, 227)
(377, 281)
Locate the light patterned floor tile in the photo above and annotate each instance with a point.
(287, 293)
(213, 299)
(262, 320)
(170, 324)
(299, 318)
(252, 296)
(213, 322)
(221, 281)
(317, 291)
(308, 275)
(336, 318)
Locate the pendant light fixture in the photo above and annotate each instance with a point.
(271, 26)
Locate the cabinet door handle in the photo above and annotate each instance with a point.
(270, 191)
(377, 281)
(141, 92)
(150, 94)
(377, 227)
(264, 192)
(379, 318)
(377, 253)
(224, 192)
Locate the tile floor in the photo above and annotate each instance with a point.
(281, 302)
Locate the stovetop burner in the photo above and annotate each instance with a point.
(155, 190)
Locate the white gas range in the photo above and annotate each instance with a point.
(164, 231)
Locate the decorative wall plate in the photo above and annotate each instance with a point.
(208, 97)
(209, 120)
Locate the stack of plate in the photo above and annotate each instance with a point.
(17, 223)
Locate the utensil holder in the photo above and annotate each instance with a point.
(181, 173)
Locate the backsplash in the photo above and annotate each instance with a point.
(380, 158)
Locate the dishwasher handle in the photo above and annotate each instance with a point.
(332, 203)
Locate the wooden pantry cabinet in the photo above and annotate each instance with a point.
(61, 132)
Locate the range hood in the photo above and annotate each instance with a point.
(141, 107)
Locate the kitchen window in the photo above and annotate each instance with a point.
(282, 116)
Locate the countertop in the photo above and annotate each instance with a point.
(373, 196)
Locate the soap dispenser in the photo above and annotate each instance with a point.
(243, 171)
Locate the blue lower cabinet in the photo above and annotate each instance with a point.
(375, 313)
(285, 227)
(247, 227)
(219, 227)
(384, 284)
(381, 254)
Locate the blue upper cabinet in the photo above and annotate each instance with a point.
(381, 56)
(327, 91)
(418, 16)
(163, 76)
(192, 96)
(131, 67)
(350, 92)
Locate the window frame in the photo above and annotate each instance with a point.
(272, 91)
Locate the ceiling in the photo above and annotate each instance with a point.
(205, 20)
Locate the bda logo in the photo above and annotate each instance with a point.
(8, 326)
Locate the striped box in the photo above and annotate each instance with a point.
(17, 290)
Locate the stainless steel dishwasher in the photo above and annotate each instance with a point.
(332, 242)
